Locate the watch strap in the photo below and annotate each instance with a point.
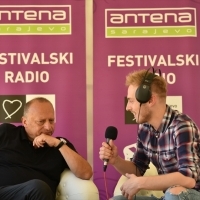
(60, 145)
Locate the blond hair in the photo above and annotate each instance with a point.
(158, 85)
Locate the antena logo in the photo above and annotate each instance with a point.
(151, 22)
(35, 20)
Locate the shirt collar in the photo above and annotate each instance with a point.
(166, 121)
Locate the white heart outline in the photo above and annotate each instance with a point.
(9, 115)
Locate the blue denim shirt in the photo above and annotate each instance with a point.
(174, 147)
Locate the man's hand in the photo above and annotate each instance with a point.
(108, 152)
(130, 187)
(40, 140)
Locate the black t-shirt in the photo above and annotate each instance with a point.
(21, 162)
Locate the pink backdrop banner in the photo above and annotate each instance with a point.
(131, 35)
(43, 53)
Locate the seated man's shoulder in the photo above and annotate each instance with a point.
(7, 126)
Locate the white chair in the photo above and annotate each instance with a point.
(73, 188)
(128, 154)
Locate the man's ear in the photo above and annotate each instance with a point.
(24, 121)
(152, 100)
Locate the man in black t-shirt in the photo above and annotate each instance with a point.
(32, 160)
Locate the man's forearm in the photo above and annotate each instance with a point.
(163, 182)
(77, 164)
(125, 166)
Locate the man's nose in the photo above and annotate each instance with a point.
(127, 107)
(47, 125)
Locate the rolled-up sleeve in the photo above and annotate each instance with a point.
(188, 151)
(140, 159)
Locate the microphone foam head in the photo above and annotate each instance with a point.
(111, 132)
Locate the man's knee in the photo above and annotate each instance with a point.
(36, 183)
(40, 189)
(176, 190)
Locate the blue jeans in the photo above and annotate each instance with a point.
(189, 194)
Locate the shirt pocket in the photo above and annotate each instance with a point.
(168, 161)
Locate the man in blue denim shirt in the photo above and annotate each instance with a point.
(167, 138)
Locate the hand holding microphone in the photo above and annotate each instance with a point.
(110, 134)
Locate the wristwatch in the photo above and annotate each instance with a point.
(60, 145)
